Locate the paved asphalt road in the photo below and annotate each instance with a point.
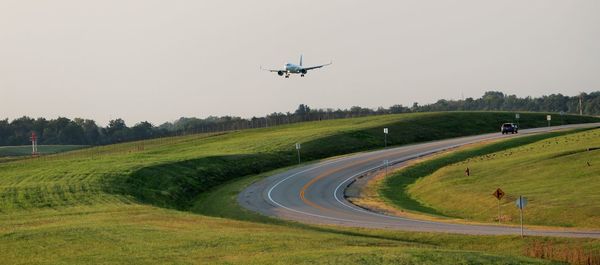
(314, 193)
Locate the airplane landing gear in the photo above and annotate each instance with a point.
(302, 75)
(287, 76)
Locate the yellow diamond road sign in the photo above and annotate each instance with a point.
(498, 194)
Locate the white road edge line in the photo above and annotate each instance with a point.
(533, 131)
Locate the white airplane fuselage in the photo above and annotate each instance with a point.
(293, 68)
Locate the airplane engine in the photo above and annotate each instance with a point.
(280, 73)
(303, 71)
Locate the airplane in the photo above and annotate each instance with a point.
(291, 68)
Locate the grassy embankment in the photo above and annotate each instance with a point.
(171, 172)
(100, 204)
(456, 249)
(553, 173)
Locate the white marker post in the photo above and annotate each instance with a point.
(521, 202)
(548, 118)
(518, 116)
(298, 150)
(386, 163)
(385, 133)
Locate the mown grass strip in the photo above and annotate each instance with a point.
(395, 187)
(558, 175)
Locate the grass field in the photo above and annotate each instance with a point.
(141, 234)
(455, 249)
(122, 233)
(117, 204)
(171, 172)
(553, 174)
(395, 188)
(25, 150)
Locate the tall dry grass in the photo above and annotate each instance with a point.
(573, 254)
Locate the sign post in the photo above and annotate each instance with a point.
(548, 118)
(385, 133)
(298, 150)
(386, 163)
(518, 116)
(498, 194)
(521, 202)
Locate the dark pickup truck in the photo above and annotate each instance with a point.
(509, 128)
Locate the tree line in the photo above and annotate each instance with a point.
(86, 132)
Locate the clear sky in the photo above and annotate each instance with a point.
(160, 60)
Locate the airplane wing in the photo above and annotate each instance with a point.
(318, 66)
(271, 70)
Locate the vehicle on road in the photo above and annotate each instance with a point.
(291, 68)
(507, 128)
(316, 192)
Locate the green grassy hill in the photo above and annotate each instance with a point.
(171, 172)
(554, 174)
(107, 204)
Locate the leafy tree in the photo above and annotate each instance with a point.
(91, 131)
(399, 109)
(5, 132)
(118, 131)
(71, 134)
(302, 112)
(143, 130)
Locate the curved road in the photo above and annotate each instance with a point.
(314, 193)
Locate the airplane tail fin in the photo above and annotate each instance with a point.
(300, 59)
